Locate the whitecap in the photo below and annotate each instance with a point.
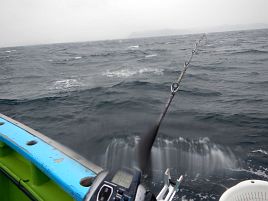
(204, 140)
(123, 73)
(120, 73)
(167, 43)
(260, 151)
(9, 51)
(151, 55)
(151, 70)
(77, 58)
(134, 47)
(183, 198)
(258, 172)
(66, 84)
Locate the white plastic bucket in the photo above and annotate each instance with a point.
(249, 190)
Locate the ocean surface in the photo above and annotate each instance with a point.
(98, 98)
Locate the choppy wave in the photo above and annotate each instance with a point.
(130, 105)
(250, 51)
(127, 72)
(42, 100)
(134, 47)
(165, 86)
(240, 119)
(200, 76)
(103, 54)
(260, 82)
(244, 100)
(168, 43)
(257, 173)
(260, 151)
(64, 95)
(143, 85)
(201, 92)
(65, 60)
(160, 50)
(150, 55)
(9, 51)
(66, 84)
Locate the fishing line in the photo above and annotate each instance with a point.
(147, 140)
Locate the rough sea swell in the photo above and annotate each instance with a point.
(99, 97)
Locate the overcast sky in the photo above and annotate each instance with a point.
(26, 22)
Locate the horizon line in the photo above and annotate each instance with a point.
(130, 38)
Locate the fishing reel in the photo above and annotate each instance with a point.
(124, 185)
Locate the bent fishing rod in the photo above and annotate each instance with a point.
(125, 184)
(147, 140)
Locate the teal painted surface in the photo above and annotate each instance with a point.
(65, 171)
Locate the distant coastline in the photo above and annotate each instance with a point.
(171, 32)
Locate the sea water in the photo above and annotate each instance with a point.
(98, 98)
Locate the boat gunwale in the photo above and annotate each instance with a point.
(65, 150)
